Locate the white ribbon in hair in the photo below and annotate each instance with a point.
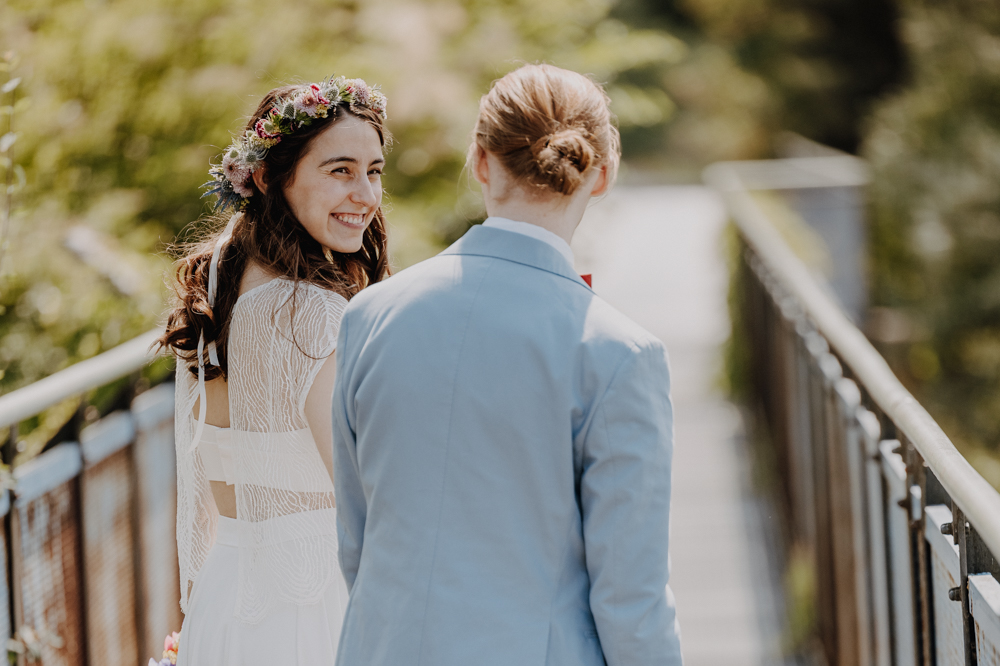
(213, 354)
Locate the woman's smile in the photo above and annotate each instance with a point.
(352, 220)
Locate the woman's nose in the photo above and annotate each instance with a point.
(364, 193)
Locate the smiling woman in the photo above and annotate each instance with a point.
(337, 185)
(254, 328)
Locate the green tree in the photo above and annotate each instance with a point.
(935, 149)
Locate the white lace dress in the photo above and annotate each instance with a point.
(264, 588)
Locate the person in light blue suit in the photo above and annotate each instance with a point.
(502, 436)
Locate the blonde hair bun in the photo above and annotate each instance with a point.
(563, 158)
(549, 127)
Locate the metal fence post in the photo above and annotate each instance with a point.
(960, 532)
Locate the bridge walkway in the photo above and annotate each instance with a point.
(657, 254)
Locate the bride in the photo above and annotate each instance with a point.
(254, 329)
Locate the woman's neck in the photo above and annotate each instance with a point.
(504, 196)
(555, 216)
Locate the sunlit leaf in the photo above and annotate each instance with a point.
(7, 140)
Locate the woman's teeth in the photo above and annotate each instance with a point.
(350, 219)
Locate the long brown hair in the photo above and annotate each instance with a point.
(548, 126)
(269, 235)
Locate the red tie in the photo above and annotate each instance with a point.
(588, 279)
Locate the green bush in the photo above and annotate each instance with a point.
(935, 149)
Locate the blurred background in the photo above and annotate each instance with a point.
(110, 111)
(120, 105)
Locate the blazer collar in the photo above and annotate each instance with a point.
(491, 242)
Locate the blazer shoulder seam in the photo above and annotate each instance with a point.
(519, 263)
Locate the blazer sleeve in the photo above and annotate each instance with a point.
(352, 507)
(625, 504)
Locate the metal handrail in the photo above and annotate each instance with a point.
(102, 369)
(979, 501)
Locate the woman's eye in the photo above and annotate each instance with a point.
(375, 172)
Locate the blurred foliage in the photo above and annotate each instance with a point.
(823, 62)
(935, 150)
(721, 110)
(123, 104)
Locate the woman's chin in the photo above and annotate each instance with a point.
(345, 245)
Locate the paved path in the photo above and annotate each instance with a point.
(657, 255)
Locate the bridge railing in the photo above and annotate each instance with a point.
(903, 533)
(89, 570)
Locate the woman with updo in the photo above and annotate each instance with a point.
(502, 436)
(254, 329)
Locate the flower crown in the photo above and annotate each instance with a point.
(231, 179)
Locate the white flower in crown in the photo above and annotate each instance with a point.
(377, 102)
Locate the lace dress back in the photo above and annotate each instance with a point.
(280, 336)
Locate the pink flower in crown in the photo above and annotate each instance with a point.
(242, 188)
(359, 91)
(307, 102)
(322, 100)
(237, 173)
(234, 169)
(261, 128)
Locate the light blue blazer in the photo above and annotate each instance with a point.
(502, 451)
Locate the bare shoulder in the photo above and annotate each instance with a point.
(255, 276)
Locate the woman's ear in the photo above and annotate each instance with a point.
(260, 179)
(601, 184)
(480, 165)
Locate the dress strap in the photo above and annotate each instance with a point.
(213, 355)
(213, 277)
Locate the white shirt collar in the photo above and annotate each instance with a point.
(533, 230)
